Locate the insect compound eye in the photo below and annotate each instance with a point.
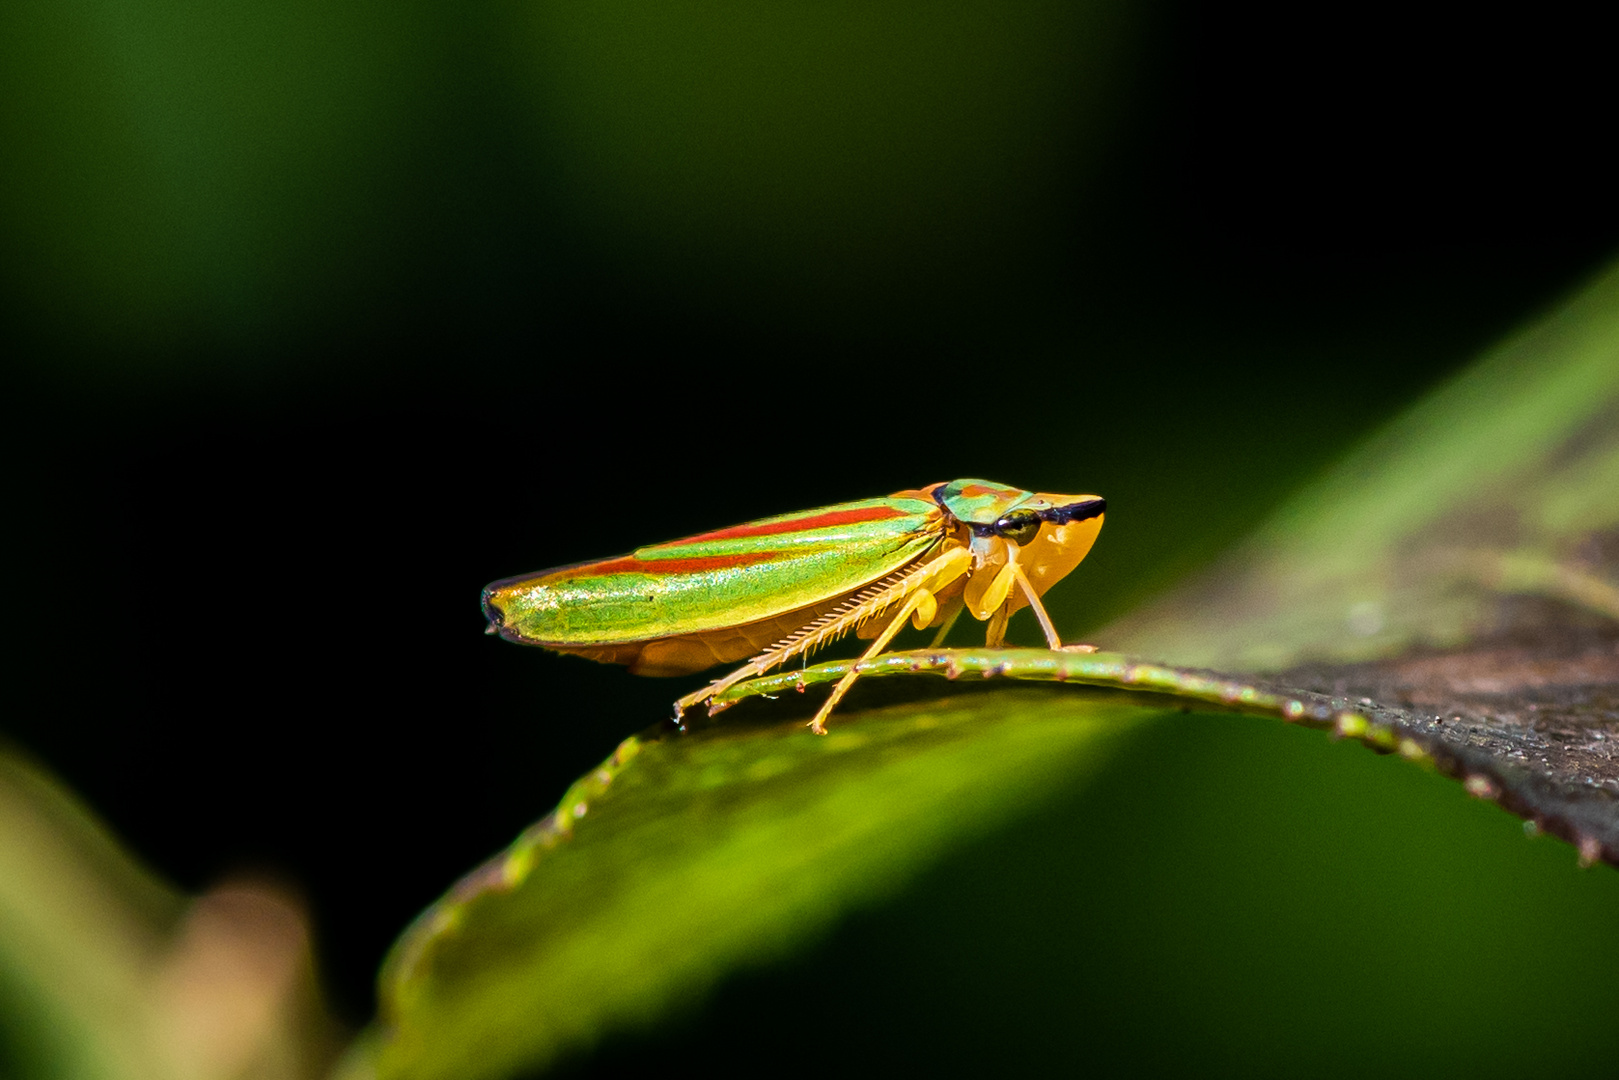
(1020, 526)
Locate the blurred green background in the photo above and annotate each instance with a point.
(318, 318)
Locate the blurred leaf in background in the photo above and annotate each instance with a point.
(188, 176)
(856, 165)
(107, 974)
(221, 183)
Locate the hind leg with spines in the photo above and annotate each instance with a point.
(923, 597)
(932, 576)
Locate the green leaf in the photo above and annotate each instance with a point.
(684, 857)
(80, 924)
(1501, 483)
(1532, 726)
(1479, 530)
(1459, 572)
(108, 973)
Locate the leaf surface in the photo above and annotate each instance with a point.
(1459, 574)
(1450, 593)
(682, 857)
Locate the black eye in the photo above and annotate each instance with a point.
(1019, 526)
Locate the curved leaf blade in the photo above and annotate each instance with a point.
(683, 857)
(1501, 483)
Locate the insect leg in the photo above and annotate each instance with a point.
(931, 575)
(995, 633)
(1052, 639)
(912, 602)
(927, 607)
(954, 610)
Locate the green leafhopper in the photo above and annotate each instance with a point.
(781, 587)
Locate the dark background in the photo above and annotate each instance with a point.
(317, 320)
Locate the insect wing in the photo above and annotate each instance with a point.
(715, 581)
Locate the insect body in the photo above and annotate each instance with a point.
(780, 587)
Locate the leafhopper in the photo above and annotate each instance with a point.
(782, 587)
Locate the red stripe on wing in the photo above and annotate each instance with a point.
(818, 521)
(629, 564)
